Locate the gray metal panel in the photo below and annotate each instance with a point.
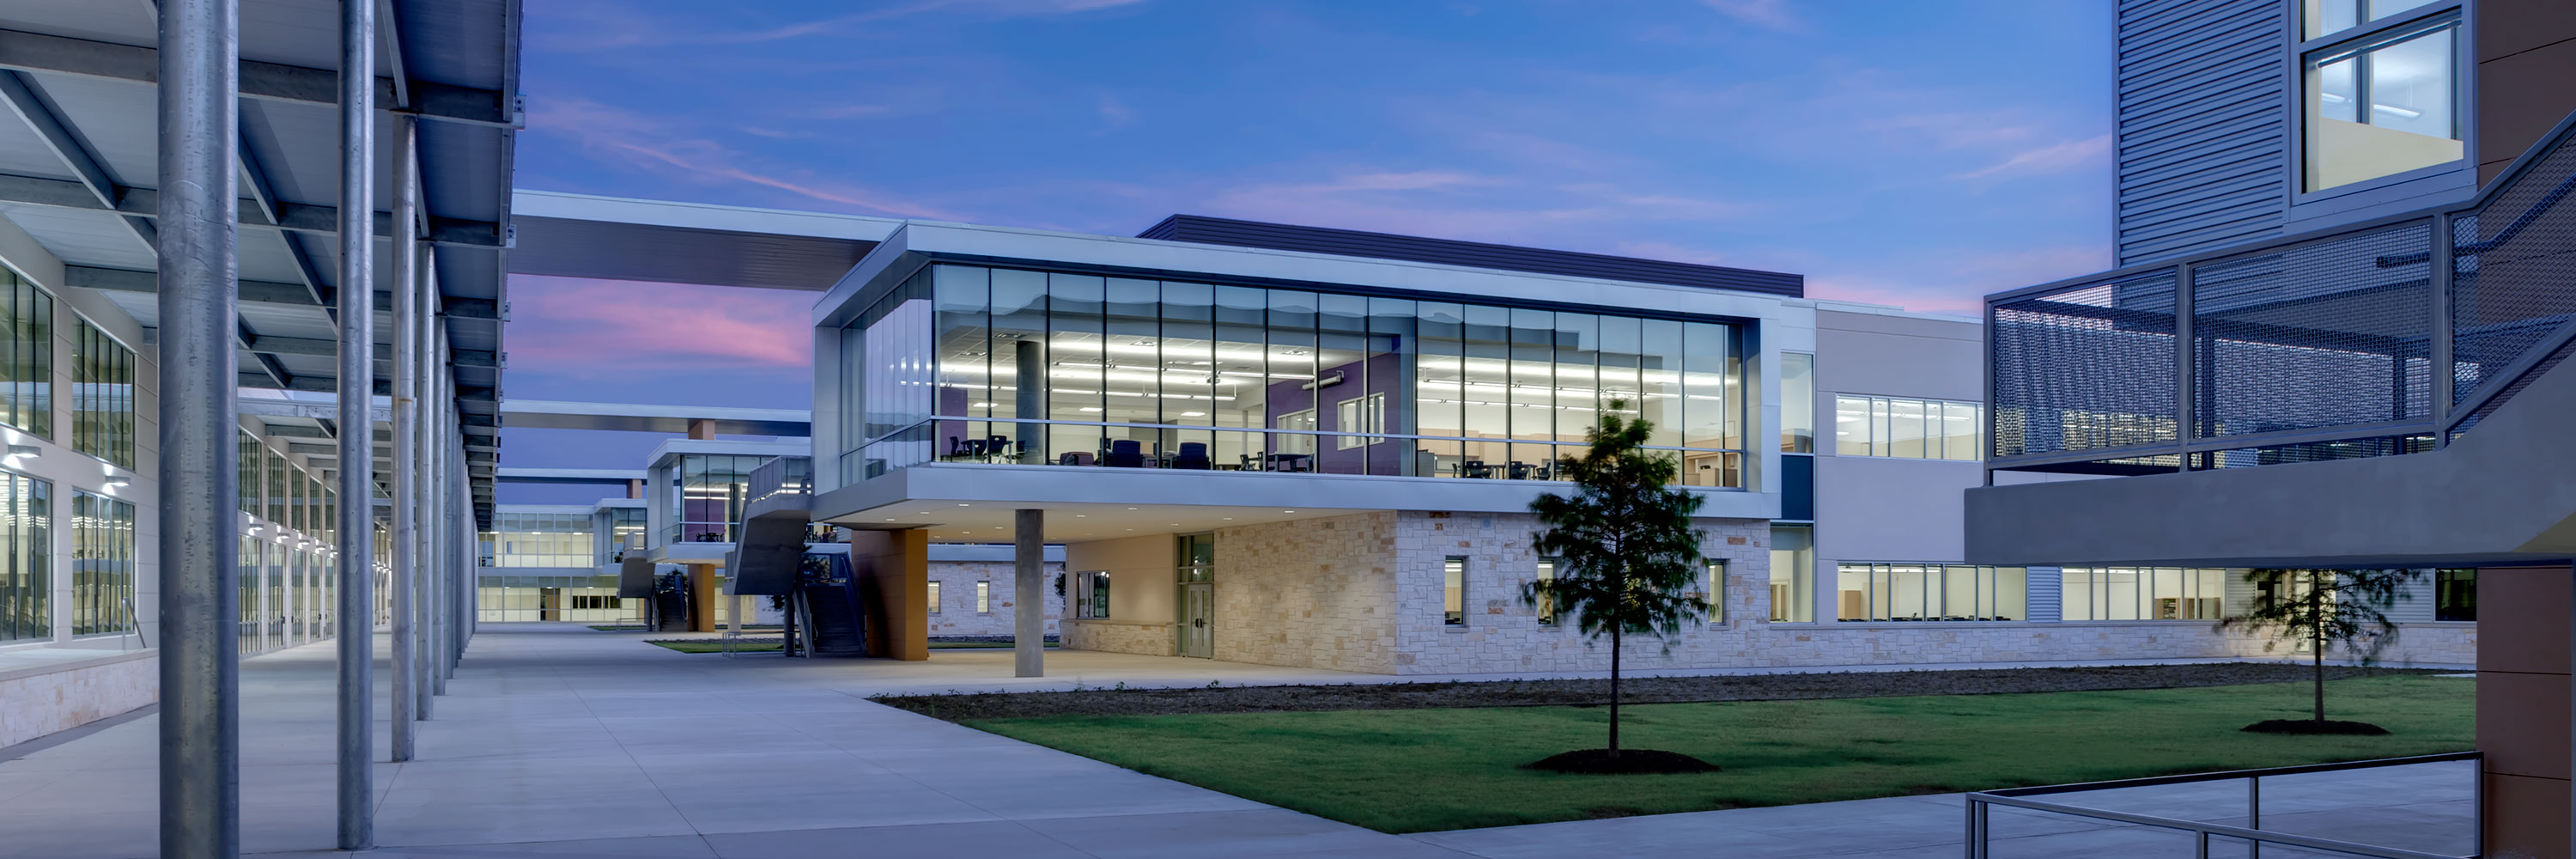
(635, 577)
(81, 237)
(2201, 154)
(2045, 589)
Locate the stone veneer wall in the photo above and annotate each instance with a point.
(1119, 636)
(957, 614)
(1311, 593)
(37, 702)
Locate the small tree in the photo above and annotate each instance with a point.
(1626, 554)
(2339, 607)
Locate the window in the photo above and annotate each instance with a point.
(102, 565)
(26, 357)
(1091, 594)
(1907, 428)
(1797, 402)
(1301, 423)
(102, 396)
(2141, 593)
(2382, 97)
(1716, 592)
(1929, 592)
(2455, 595)
(26, 558)
(1793, 573)
(934, 597)
(984, 597)
(1546, 601)
(1365, 414)
(1453, 591)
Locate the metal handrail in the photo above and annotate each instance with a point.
(1981, 803)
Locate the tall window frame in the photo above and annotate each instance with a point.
(102, 395)
(26, 355)
(2337, 49)
(102, 565)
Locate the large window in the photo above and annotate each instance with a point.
(1052, 368)
(2382, 90)
(1453, 591)
(2455, 595)
(588, 598)
(1793, 573)
(983, 596)
(26, 558)
(934, 597)
(625, 532)
(1091, 594)
(102, 396)
(1902, 427)
(2142, 593)
(1954, 592)
(522, 538)
(1546, 601)
(26, 356)
(102, 565)
(710, 493)
(1797, 402)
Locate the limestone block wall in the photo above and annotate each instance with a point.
(957, 615)
(40, 701)
(1119, 636)
(1311, 593)
(1503, 635)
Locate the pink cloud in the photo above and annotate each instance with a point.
(656, 145)
(2054, 158)
(606, 328)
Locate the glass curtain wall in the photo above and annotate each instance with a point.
(26, 356)
(625, 531)
(542, 539)
(1930, 592)
(708, 496)
(102, 565)
(26, 558)
(2142, 593)
(589, 599)
(1052, 368)
(102, 396)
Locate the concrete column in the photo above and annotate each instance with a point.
(1031, 403)
(2524, 698)
(702, 598)
(198, 246)
(1028, 593)
(893, 570)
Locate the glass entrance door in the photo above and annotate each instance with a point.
(1198, 614)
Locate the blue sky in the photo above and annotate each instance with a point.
(1910, 153)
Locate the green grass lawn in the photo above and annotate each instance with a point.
(1428, 770)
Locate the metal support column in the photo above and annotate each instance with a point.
(1028, 594)
(2186, 370)
(2445, 370)
(406, 407)
(200, 90)
(356, 292)
(422, 493)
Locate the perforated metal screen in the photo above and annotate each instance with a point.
(2515, 279)
(2319, 335)
(2085, 368)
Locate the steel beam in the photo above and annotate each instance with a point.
(259, 291)
(404, 478)
(138, 204)
(357, 256)
(38, 52)
(200, 721)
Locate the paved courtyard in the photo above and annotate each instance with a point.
(557, 741)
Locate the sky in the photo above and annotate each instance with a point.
(1918, 154)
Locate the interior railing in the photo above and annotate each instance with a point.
(2385, 337)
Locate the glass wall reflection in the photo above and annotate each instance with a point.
(975, 364)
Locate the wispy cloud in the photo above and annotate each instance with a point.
(633, 32)
(1460, 204)
(1774, 14)
(1114, 111)
(572, 325)
(2054, 158)
(656, 146)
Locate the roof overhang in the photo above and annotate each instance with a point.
(673, 420)
(614, 238)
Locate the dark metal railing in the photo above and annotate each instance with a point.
(1981, 805)
(2383, 337)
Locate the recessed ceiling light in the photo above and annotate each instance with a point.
(1193, 414)
(1229, 518)
(1287, 511)
(961, 505)
(1131, 508)
(1082, 515)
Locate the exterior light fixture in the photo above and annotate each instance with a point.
(119, 481)
(27, 450)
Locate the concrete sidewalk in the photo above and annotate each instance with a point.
(559, 741)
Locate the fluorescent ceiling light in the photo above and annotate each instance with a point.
(2400, 111)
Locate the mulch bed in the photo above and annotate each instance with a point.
(1592, 692)
(1626, 762)
(2312, 727)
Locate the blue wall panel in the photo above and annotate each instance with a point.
(2200, 155)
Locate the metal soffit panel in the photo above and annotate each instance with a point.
(669, 254)
(84, 188)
